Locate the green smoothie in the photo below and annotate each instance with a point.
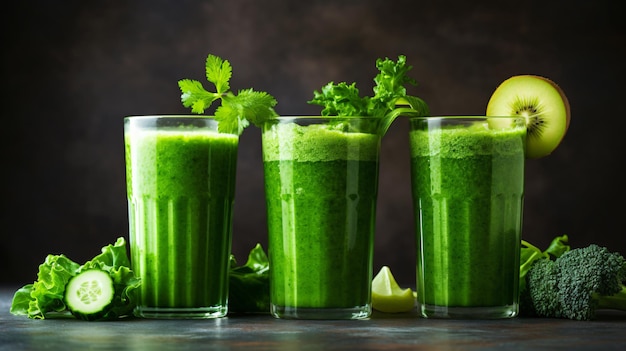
(468, 189)
(180, 184)
(321, 188)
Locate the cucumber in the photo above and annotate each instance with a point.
(89, 294)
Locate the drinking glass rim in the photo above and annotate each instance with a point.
(170, 116)
(320, 117)
(466, 117)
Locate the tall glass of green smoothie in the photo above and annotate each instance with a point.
(180, 175)
(468, 190)
(321, 181)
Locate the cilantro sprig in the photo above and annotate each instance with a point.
(390, 99)
(236, 111)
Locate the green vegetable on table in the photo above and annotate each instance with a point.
(236, 111)
(390, 98)
(47, 297)
(103, 288)
(249, 284)
(89, 294)
(561, 282)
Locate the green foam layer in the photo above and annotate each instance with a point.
(464, 142)
(290, 141)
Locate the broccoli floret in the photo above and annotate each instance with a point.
(529, 254)
(587, 276)
(542, 282)
(576, 284)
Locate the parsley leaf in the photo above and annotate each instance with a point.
(236, 111)
(389, 101)
(219, 72)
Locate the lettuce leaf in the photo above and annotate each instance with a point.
(248, 290)
(249, 284)
(115, 261)
(45, 297)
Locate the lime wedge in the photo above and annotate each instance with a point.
(387, 296)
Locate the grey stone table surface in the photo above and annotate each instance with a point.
(262, 332)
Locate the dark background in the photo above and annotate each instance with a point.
(71, 70)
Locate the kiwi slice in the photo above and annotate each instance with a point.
(544, 105)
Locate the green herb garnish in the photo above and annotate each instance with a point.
(236, 111)
(389, 101)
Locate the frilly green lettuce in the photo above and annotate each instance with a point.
(44, 298)
(248, 290)
(249, 284)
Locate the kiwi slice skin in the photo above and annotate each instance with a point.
(544, 105)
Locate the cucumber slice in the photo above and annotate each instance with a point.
(89, 294)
